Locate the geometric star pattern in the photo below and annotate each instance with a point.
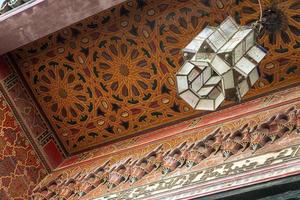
(111, 75)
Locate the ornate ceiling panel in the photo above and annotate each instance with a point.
(112, 75)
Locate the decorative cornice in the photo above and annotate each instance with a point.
(224, 177)
(226, 141)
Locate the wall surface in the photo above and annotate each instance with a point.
(20, 168)
(38, 18)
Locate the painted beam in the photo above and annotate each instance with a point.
(28, 115)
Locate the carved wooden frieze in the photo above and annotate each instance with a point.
(179, 187)
(258, 132)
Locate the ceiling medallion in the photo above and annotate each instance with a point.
(220, 63)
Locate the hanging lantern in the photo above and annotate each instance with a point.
(221, 63)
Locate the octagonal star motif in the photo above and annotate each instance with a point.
(221, 63)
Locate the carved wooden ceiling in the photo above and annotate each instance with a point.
(112, 75)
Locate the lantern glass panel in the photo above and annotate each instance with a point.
(197, 83)
(204, 91)
(243, 87)
(253, 77)
(200, 64)
(207, 74)
(241, 35)
(204, 56)
(228, 80)
(213, 80)
(235, 40)
(245, 66)
(219, 100)
(215, 92)
(194, 73)
(190, 97)
(239, 52)
(229, 27)
(193, 46)
(216, 40)
(205, 104)
(186, 68)
(256, 53)
(250, 40)
(182, 83)
(219, 65)
(205, 33)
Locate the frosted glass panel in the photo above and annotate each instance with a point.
(228, 80)
(219, 100)
(214, 93)
(204, 91)
(200, 64)
(243, 87)
(186, 68)
(205, 104)
(213, 80)
(235, 40)
(194, 73)
(197, 83)
(182, 83)
(253, 76)
(241, 35)
(205, 57)
(229, 27)
(207, 74)
(245, 66)
(216, 40)
(190, 98)
(205, 33)
(249, 40)
(193, 46)
(220, 65)
(256, 54)
(239, 52)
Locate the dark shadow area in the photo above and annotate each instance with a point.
(282, 189)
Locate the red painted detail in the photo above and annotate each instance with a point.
(90, 125)
(135, 111)
(152, 47)
(87, 72)
(74, 131)
(69, 161)
(53, 154)
(164, 68)
(154, 104)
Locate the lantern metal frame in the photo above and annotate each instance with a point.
(220, 63)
